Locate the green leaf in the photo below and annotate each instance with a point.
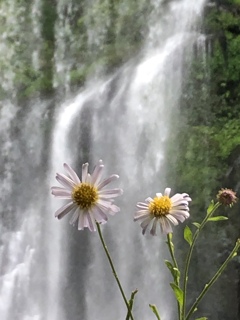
(177, 274)
(178, 293)
(203, 318)
(174, 271)
(155, 310)
(188, 235)
(170, 266)
(210, 208)
(196, 224)
(217, 218)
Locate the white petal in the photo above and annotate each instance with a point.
(103, 183)
(159, 195)
(183, 197)
(176, 197)
(97, 173)
(63, 197)
(84, 172)
(141, 216)
(72, 174)
(172, 219)
(104, 204)
(55, 188)
(145, 224)
(61, 212)
(108, 194)
(85, 223)
(81, 221)
(178, 216)
(91, 222)
(99, 215)
(75, 216)
(186, 197)
(181, 207)
(65, 181)
(180, 202)
(165, 225)
(113, 209)
(61, 193)
(149, 199)
(141, 211)
(184, 213)
(88, 178)
(142, 205)
(167, 192)
(153, 229)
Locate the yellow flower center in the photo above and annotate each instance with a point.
(160, 206)
(85, 196)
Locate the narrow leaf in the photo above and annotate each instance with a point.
(177, 274)
(188, 235)
(155, 310)
(210, 208)
(174, 271)
(203, 318)
(178, 293)
(130, 303)
(196, 224)
(217, 218)
(170, 266)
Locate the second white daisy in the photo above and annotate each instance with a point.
(163, 210)
(87, 198)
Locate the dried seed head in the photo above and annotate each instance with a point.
(227, 197)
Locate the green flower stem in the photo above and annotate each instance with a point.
(155, 311)
(189, 256)
(171, 250)
(214, 279)
(114, 271)
(130, 303)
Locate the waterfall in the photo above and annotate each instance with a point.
(48, 269)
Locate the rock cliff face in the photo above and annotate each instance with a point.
(207, 144)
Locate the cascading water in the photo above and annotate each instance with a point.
(49, 270)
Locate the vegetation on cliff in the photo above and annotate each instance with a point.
(204, 151)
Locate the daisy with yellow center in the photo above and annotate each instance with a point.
(162, 210)
(87, 198)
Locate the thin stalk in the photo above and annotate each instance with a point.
(171, 250)
(189, 256)
(214, 278)
(113, 270)
(131, 301)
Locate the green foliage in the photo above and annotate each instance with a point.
(196, 224)
(87, 37)
(203, 152)
(178, 293)
(155, 311)
(188, 235)
(218, 218)
(174, 271)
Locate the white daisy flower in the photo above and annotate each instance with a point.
(163, 210)
(87, 198)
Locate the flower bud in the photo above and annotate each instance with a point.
(227, 197)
